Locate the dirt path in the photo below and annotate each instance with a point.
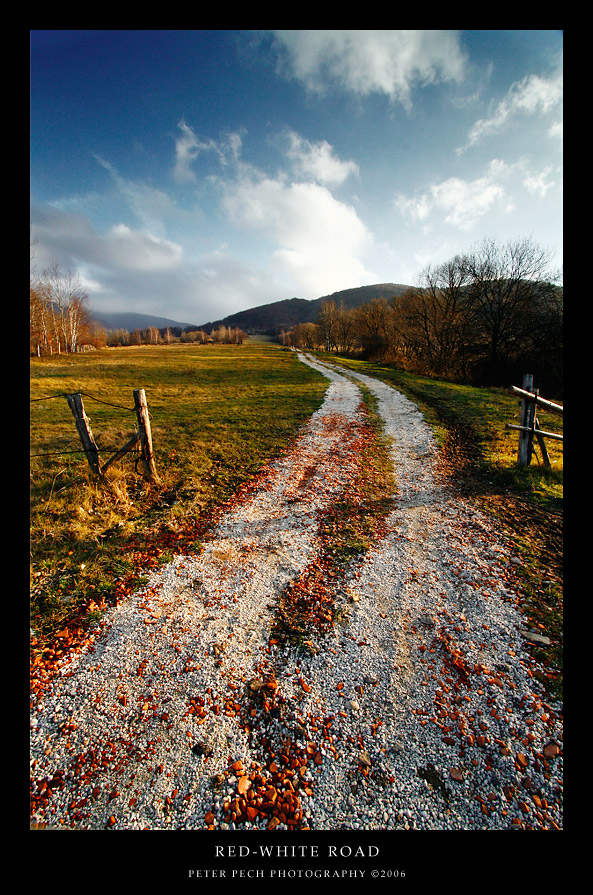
(417, 710)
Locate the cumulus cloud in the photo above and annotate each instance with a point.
(318, 162)
(308, 242)
(532, 95)
(318, 240)
(126, 269)
(121, 267)
(365, 62)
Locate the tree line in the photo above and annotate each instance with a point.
(484, 317)
(60, 322)
(223, 335)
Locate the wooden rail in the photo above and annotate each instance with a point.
(535, 398)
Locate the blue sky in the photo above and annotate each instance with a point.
(192, 174)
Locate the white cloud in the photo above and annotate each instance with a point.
(188, 146)
(364, 62)
(126, 269)
(134, 250)
(71, 239)
(318, 240)
(461, 203)
(533, 94)
(313, 243)
(318, 162)
(556, 131)
(539, 184)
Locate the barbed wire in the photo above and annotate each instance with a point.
(49, 397)
(87, 395)
(93, 398)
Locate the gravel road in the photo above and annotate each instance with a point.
(418, 710)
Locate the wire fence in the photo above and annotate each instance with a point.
(87, 395)
(142, 436)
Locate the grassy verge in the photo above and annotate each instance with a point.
(480, 456)
(218, 414)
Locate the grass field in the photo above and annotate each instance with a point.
(218, 413)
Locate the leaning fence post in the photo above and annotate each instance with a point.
(145, 435)
(542, 444)
(84, 431)
(527, 422)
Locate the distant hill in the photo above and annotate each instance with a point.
(130, 322)
(268, 319)
(272, 318)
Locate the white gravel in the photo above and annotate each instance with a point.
(437, 722)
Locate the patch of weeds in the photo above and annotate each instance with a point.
(347, 529)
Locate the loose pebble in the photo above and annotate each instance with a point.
(419, 709)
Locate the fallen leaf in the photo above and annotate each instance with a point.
(243, 785)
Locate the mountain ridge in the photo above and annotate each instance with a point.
(130, 321)
(272, 318)
(268, 319)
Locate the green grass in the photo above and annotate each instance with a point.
(218, 413)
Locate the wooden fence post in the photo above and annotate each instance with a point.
(145, 435)
(527, 423)
(84, 431)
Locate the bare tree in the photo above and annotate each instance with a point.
(508, 284)
(373, 326)
(307, 335)
(327, 322)
(346, 334)
(436, 317)
(66, 304)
